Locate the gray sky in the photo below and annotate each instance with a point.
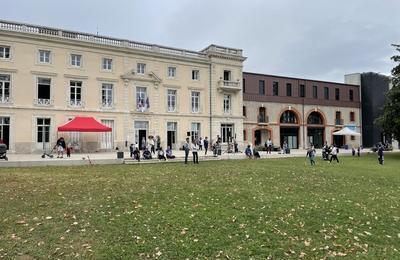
(320, 39)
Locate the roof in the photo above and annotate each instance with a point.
(84, 124)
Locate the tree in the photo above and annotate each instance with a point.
(390, 119)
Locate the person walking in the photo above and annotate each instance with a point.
(205, 143)
(334, 153)
(380, 155)
(311, 155)
(186, 148)
(195, 148)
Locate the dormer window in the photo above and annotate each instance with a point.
(141, 68)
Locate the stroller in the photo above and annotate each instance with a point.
(3, 152)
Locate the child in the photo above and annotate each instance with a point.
(69, 149)
(311, 155)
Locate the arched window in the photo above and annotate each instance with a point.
(289, 117)
(315, 118)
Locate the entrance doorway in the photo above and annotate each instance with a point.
(227, 132)
(141, 133)
(171, 134)
(315, 136)
(339, 140)
(261, 136)
(291, 136)
(5, 131)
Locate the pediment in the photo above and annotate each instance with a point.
(148, 77)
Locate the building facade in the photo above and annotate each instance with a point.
(298, 111)
(48, 76)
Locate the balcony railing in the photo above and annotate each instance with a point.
(5, 100)
(107, 104)
(262, 119)
(229, 85)
(76, 103)
(43, 102)
(338, 121)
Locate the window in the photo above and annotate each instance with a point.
(244, 111)
(5, 88)
(195, 75)
(338, 118)
(107, 138)
(315, 118)
(261, 87)
(43, 91)
(227, 75)
(43, 130)
(142, 100)
(275, 88)
(351, 95)
(75, 96)
(76, 60)
(326, 93)
(171, 72)
(107, 95)
(352, 138)
(289, 117)
(171, 100)
(302, 91)
(352, 117)
(288, 89)
(44, 56)
(315, 91)
(106, 64)
(244, 135)
(195, 131)
(4, 52)
(227, 104)
(337, 93)
(141, 68)
(195, 101)
(226, 132)
(262, 115)
(244, 86)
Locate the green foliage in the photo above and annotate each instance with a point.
(237, 209)
(390, 119)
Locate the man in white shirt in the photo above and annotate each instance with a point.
(334, 153)
(195, 148)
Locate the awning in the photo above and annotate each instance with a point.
(84, 124)
(346, 131)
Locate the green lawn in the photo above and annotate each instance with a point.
(280, 208)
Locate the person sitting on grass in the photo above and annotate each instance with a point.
(136, 154)
(160, 154)
(248, 152)
(147, 154)
(168, 153)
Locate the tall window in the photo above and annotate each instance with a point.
(326, 93)
(227, 104)
(171, 100)
(337, 93)
(195, 131)
(302, 90)
(351, 95)
(226, 132)
(4, 88)
(338, 118)
(275, 88)
(76, 60)
(352, 117)
(75, 93)
(244, 86)
(195, 74)
(43, 91)
(142, 100)
(244, 111)
(107, 95)
(141, 68)
(227, 75)
(195, 101)
(288, 89)
(4, 52)
(315, 91)
(106, 64)
(261, 87)
(43, 130)
(171, 72)
(44, 56)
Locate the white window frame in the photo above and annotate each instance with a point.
(171, 72)
(195, 130)
(108, 138)
(195, 100)
(46, 60)
(227, 103)
(107, 66)
(142, 97)
(43, 126)
(3, 52)
(107, 95)
(172, 97)
(195, 75)
(76, 60)
(141, 68)
(224, 132)
(43, 101)
(75, 102)
(3, 98)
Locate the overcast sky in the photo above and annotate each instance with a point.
(320, 39)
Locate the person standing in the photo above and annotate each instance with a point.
(60, 147)
(334, 153)
(151, 144)
(285, 147)
(311, 155)
(158, 141)
(205, 143)
(131, 149)
(195, 148)
(380, 154)
(201, 144)
(186, 148)
(269, 146)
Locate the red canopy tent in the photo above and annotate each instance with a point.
(84, 124)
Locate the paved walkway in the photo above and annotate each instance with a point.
(27, 160)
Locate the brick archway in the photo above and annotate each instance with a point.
(259, 128)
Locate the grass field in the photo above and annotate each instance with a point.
(238, 209)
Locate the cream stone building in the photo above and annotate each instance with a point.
(48, 76)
